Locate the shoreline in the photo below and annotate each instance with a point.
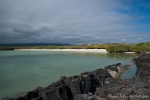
(73, 50)
(70, 50)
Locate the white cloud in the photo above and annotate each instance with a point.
(123, 39)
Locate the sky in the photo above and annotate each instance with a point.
(74, 21)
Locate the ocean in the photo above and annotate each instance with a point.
(22, 71)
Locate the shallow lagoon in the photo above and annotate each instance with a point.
(22, 71)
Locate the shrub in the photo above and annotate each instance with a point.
(6, 48)
(111, 49)
(119, 48)
(142, 47)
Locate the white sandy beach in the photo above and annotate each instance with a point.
(72, 50)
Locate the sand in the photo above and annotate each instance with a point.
(72, 50)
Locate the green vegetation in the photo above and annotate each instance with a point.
(110, 47)
(84, 46)
(142, 47)
(138, 48)
(120, 48)
(6, 48)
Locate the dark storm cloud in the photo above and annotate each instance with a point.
(72, 21)
(17, 33)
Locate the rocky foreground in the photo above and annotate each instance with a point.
(100, 84)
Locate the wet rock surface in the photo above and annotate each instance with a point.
(127, 66)
(143, 66)
(99, 84)
(115, 70)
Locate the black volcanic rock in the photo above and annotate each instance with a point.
(57, 93)
(143, 66)
(30, 95)
(127, 66)
(115, 70)
(123, 89)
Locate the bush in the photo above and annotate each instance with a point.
(119, 48)
(111, 49)
(142, 47)
(6, 48)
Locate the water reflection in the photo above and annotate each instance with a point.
(118, 56)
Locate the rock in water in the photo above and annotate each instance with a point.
(115, 70)
(143, 66)
(127, 66)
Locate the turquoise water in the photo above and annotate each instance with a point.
(22, 71)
